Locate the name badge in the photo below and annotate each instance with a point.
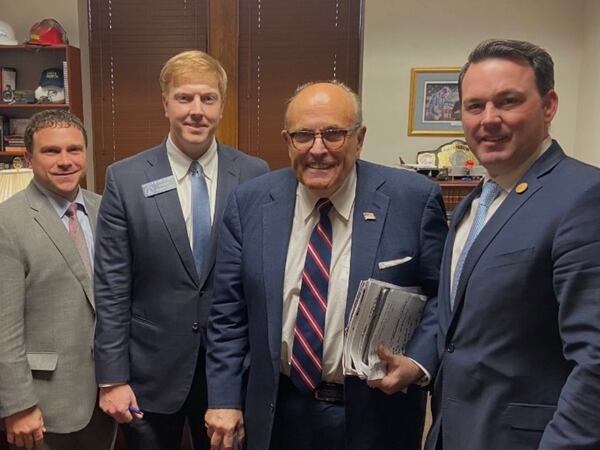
(159, 186)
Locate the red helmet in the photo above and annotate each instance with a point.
(47, 32)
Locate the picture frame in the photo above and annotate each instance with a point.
(434, 106)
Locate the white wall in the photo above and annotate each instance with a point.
(403, 34)
(588, 113)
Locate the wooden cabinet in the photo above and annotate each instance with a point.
(454, 191)
(30, 61)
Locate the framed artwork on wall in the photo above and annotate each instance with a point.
(434, 106)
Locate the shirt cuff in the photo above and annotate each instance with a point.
(105, 385)
(426, 378)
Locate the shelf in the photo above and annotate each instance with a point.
(33, 47)
(12, 153)
(20, 106)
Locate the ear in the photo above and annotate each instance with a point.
(28, 158)
(165, 103)
(360, 137)
(549, 105)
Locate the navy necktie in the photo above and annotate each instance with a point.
(307, 352)
(201, 226)
(489, 192)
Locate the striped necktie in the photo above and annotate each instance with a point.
(78, 237)
(489, 192)
(307, 352)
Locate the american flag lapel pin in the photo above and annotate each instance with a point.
(368, 215)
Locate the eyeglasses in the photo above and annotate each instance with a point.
(332, 138)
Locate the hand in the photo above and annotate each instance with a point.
(25, 428)
(401, 372)
(116, 401)
(225, 428)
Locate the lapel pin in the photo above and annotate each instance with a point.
(368, 215)
(521, 187)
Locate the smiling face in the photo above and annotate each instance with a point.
(58, 159)
(194, 107)
(317, 108)
(504, 117)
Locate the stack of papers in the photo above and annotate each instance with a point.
(382, 313)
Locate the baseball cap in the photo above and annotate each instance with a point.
(52, 77)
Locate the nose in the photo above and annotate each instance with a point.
(64, 160)
(196, 107)
(318, 147)
(490, 116)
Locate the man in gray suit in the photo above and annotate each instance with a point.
(154, 261)
(47, 387)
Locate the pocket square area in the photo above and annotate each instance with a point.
(393, 262)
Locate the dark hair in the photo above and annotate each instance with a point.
(520, 51)
(51, 118)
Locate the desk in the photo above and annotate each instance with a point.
(13, 180)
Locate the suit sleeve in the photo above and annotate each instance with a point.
(228, 322)
(576, 272)
(112, 286)
(16, 382)
(423, 346)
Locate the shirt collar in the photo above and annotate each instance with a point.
(61, 204)
(180, 162)
(508, 181)
(342, 199)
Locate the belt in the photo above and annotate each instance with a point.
(330, 392)
(325, 392)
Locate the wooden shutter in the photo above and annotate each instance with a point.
(130, 40)
(285, 43)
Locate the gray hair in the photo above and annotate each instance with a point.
(355, 99)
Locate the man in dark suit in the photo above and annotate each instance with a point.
(518, 349)
(327, 218)
(154, 260)
(48, 390)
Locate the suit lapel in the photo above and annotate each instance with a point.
(45, 215)
(227, 179)
(170, 210)
(277, 225)
(512, 203)
(365, 233)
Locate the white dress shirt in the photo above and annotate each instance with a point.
(61, 204)
(180, 166)
(507, 182)
(305, 219)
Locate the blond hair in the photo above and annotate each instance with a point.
(186, 65)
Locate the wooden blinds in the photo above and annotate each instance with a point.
(130, 40)
(284, 44)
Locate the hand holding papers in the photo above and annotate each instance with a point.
(382, 313)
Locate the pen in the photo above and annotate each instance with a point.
(134, 410)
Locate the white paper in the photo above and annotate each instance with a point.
(382, 313)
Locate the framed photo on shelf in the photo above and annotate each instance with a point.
(434, 106)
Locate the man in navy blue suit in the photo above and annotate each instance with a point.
(517, 364)
(155, 252)
(377, 222)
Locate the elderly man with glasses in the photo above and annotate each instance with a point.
(293, 248)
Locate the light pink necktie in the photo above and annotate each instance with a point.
(78, 237)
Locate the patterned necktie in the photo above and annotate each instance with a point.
(489, 192)
(78, 237)
(307, 351)
(200, 216)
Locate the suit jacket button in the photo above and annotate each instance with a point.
(450, 348)
(195, 327)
